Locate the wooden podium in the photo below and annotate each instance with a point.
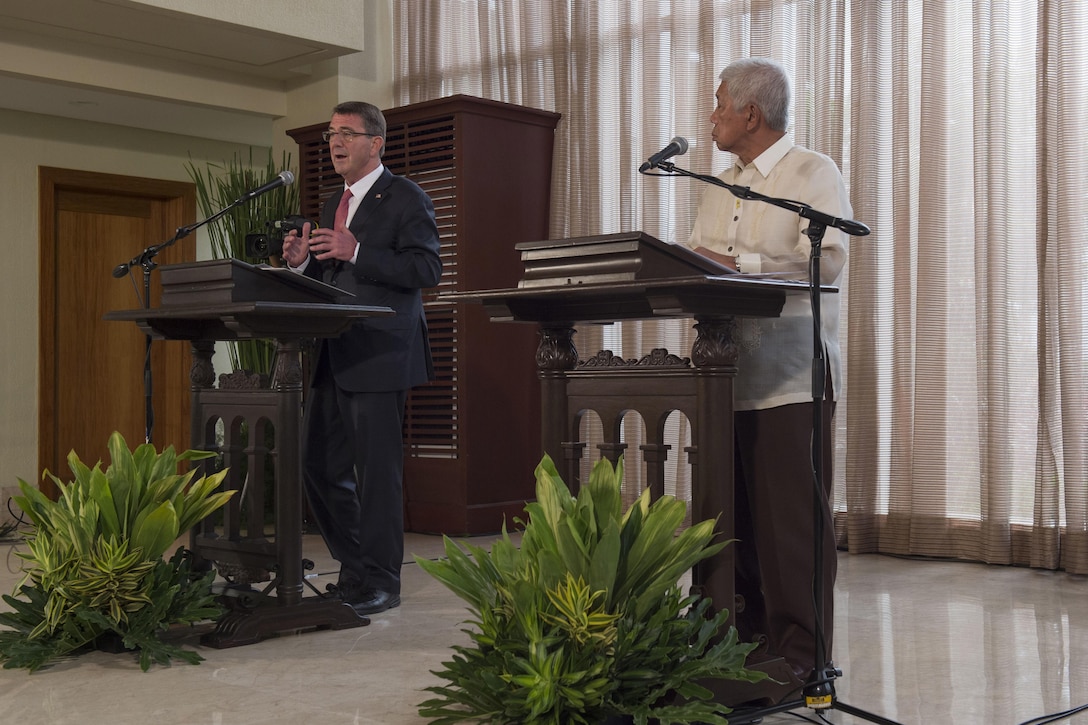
(231, 300)
(633, 276)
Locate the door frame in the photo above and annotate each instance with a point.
(178, 200)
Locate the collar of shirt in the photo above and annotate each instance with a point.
(771, 156)
(360, 189)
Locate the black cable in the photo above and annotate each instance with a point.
(819, 717)
(17, 521)
(1055, 717)
(18, 516)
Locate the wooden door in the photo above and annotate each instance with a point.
(92, 371)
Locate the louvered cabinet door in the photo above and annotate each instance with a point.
(472, 436)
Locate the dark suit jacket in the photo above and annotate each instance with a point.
(398, 256)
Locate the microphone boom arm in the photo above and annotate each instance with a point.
(851, 227)
(145, 259)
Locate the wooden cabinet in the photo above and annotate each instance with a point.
(472, 437)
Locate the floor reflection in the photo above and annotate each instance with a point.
(918, 642)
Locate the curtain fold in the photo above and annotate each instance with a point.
(963, 431)
(1062, 461)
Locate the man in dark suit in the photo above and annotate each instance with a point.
(378, 240)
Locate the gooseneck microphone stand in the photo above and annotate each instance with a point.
(146, 261)
(819, 690)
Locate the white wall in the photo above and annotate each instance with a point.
(365, 76)
(330, 21)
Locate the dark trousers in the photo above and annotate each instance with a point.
(774, 497)
(353, 468)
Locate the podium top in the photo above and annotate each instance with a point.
(228, 299)
(226, 281)
(247, 320)
(628, 276)
(609, 258)
(705, 296)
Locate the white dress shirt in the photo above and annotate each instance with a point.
(358, 190)
(776, 354)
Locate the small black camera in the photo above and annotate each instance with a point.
(263, 245)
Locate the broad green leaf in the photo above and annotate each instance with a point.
(33, 503)
(605, 561)
(200, 501)
(155, 530)
(162, 489)
(102, 494)
(154, 467)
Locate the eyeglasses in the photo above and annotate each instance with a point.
(345, 134)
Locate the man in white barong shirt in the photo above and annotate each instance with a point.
(773, 390)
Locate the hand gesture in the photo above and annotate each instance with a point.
(297, 248)
(337, 243)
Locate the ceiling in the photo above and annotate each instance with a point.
(107, 32)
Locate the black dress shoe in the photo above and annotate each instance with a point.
(375, 601)
(348, 590)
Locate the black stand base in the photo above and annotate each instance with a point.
(247, 626)
(818, 694)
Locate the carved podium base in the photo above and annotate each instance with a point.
(632, 276)
(246, 626)
(228, 299)
(244, 553)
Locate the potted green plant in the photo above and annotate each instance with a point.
(586, 621)
(94, 560)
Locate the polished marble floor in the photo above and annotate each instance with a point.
(918, 642)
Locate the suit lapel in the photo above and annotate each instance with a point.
(367, 205)
(370, 201)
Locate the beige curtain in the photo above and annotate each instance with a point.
(964, 429)
(967, 432)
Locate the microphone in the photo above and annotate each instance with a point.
(853, 228)
(677, 147)
(284, 178)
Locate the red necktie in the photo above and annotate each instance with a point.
(332, 266)
(341, 218)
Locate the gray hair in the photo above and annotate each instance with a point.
(372, 117)
(763, 83)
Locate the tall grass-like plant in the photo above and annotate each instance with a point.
(94, 559)
(586, 620)
(217, 186)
